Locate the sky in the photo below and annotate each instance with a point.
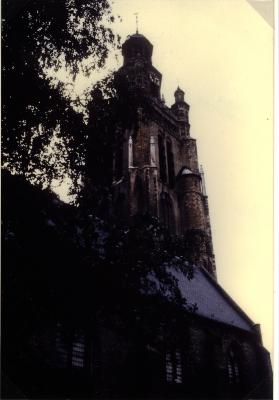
(220, 52)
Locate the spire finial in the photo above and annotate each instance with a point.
(137, 22)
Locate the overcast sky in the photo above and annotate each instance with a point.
(220, 52)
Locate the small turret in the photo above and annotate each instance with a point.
(181, 109)
(141, 78)
(179, 95)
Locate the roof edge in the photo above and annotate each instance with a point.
(227, 296)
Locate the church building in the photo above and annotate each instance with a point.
(66, 332)
(156, 171)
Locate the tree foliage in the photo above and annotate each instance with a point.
(68, 265)
(80, 264)
(43, 137)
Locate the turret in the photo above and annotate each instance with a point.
(137, 48)
(191, 200)
(181, 109)
(138, 72)
(195, 224)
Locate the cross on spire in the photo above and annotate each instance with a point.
(137, 22)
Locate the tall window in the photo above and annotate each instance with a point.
(233, 368)
(162, 159)
(166, 212)
(166, 161)
(170, 164)
(173, 366)
(70, 349)
(78, 350)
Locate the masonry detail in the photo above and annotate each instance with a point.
(162, 176)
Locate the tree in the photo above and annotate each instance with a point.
(59, 259)
(43, 136)
(115, 274)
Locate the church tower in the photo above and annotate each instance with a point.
(156, 168)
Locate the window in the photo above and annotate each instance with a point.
(233, 369)
(78, 352)
(70, 349)
(166, 161)
(162, 159)
(166, 212)
(170, 164)
(173, 366)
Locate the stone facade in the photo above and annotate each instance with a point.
(160, 170)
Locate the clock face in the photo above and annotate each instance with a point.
(154, 78)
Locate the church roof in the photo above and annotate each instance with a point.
(137, 43)
(211, 299)
(178, 90)
(137, 36)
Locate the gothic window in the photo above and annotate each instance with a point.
(78, 350)
(233, 368)
(170, 164)
(173, 366)
(162, 159)
(166, 212)
(70, 349)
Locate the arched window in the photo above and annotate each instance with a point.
(78, 350)
(70, 348)
(173, 366)
(162, 159)
(170, 164)
(233, 368)
(166, 212)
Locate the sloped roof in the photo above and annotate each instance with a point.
(186, 171)
(212, 301)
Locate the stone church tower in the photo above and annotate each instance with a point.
(156, 168)
(100, 336)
